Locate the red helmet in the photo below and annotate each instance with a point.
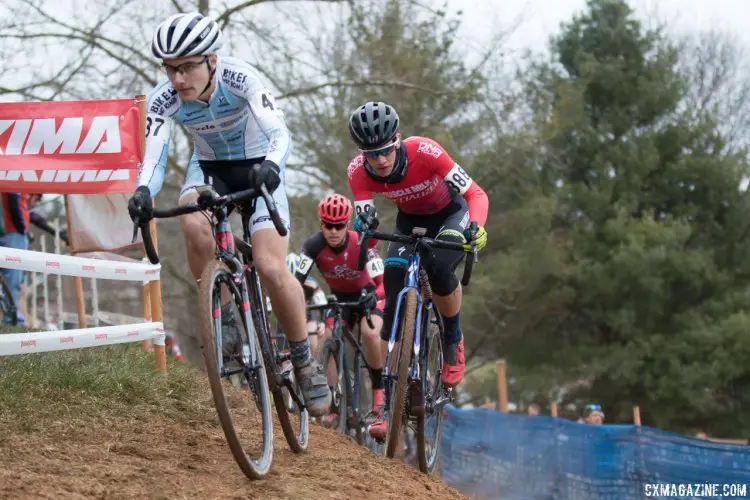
(334, 208)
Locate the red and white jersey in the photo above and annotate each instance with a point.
(431, 180)
(339, 265)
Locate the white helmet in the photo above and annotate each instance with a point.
(292, 262)
(184, 35)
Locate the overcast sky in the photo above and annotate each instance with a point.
(542, 18)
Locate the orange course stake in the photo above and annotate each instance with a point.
(153, 297)
(502, 387)
(157, 315)
(147, 344)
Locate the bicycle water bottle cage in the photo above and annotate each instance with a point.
(419, 231)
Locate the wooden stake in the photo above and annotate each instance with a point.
(637, 415)
(147, 344)
(553, 409)
(154, 287)
(502, 387)
(77, 281)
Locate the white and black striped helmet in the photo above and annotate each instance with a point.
(184, 35)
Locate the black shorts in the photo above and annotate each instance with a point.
(453, 219)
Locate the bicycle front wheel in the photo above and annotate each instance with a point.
(236, 371)
(399, 384)
(333, 360)
(430, 422)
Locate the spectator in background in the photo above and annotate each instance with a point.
(40, 221)
(533, 410)
(593, 414)
(14, 234)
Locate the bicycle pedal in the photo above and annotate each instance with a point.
(286, 368)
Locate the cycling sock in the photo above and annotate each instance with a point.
(377, 378)
(452, 331)
(300, 352)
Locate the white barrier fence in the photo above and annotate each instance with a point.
(60, 340)
(27, 260)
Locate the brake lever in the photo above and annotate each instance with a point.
(136, 226)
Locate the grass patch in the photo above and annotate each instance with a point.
(119, 380)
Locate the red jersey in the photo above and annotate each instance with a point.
(339, 265)
(431, 179)
(15, 208)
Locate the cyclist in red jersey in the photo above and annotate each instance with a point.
(431, 191)
(335, 251)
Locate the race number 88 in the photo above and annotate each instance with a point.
(458, 180)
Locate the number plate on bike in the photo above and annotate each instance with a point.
(419, 231)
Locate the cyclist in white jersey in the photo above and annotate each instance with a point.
(235, 124)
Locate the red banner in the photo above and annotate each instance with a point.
(79, 147)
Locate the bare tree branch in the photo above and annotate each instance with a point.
(223, 19)
(360, 83)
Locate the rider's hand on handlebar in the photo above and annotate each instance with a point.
(475, 234)
(365, 221)
(368, 300)
(140, 206)
(266, 173)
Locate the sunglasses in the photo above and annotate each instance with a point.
(593, 408)
(385, 150)
(337, 227)
(183, 69)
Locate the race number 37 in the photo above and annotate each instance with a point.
(458, 180)
(158, 122)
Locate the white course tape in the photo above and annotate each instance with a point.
(24, 343)
(27, 260)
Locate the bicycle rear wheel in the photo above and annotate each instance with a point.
(253, 458)
(294, 419)
(400, 385)
(365, 402)
(430, 422)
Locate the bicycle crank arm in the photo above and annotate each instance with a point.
(227, 372)
(287, 382)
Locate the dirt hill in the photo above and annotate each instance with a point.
(81, 432)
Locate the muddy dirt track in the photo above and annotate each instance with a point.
(150, 453)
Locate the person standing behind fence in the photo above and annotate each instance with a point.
(13, 234)
(593, 414)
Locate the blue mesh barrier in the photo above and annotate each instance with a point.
(489, 454)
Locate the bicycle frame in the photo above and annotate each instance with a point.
(341, 334)
(227, 253)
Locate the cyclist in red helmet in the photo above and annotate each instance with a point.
(335, 251)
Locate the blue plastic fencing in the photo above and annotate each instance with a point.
(488, 454)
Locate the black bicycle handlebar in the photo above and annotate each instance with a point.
(471, 257)
(336, 305)
(208, 200)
